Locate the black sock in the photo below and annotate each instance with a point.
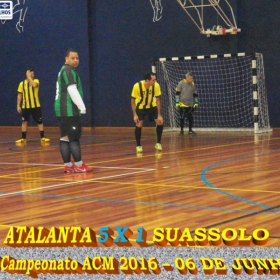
(42, 134)
(23, 135)
(182, 121)
(159, 133)
(138, 131)
(75, 149)
(65, 151)
(190, 123)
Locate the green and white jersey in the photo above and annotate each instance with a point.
(64, 106)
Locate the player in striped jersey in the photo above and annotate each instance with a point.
(145, 101)
(68, 107)
(28, 103)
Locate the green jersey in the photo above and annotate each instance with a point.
(64, 106)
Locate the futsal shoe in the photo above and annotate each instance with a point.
(82, 168)
(21, 140)
(182, 132)
(158, 146)
(44, 139)
(139, 149)
(158, 155)
(45, 144)
(191, 132)
(68, 169)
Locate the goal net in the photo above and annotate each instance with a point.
(231, 91)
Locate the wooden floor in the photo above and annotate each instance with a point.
(211, 179)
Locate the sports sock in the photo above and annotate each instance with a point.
(75, 149)
(23, 134)
(79, 163)
(42, 134)
(65, 151)
(138, 131)
(159, 131)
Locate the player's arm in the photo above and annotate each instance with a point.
(19, 99)
(30, 80)
(133, 108)
(158, 102)
(177, 93)
(134, 95)
(195, 98)
(177, 96)
(76, 98)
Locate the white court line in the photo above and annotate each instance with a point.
(59, 165)
(76, 182)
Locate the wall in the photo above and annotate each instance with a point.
(127, 40)
(117, 41)
(49, 29)
(260, 24)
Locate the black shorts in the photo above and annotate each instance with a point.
(36, 114)
(71, 127)
(186, 112)
(152, 113)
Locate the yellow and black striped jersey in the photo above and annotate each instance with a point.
(145, 98)
(30, 95)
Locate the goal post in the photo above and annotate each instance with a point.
(231, 91)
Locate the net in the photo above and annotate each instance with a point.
(231, 91)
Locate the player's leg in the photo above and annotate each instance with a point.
(37, 116)
(159, 126)
(138, 129)
(189, 114)
(24, 123)
(64, 146)
(182, 120)
(74, 134)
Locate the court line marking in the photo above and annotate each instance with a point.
(76, 182)
(188, 206)
(184, 187)
(60, 165)
(207, 183)
(108, 200)
(163, 153)
(15, 176)
(215, 188)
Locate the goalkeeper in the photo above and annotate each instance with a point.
(186, 101)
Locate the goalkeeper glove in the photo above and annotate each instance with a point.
(177, 104)
(195, 105)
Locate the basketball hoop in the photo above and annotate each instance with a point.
(219, 30)
(195, 9)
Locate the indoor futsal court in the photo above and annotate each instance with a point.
(211, 179)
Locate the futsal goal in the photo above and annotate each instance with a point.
(231, 91)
